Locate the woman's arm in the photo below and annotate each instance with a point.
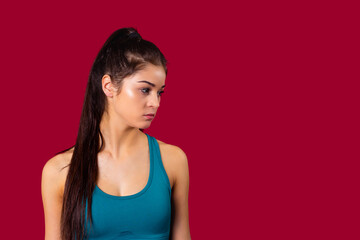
(52, 198)
(180, 229)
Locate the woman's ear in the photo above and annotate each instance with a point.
(107, 85)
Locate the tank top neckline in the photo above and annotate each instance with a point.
(150, 177)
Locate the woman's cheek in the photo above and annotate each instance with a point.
(130, 93)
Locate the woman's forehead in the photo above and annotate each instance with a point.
(152, 75)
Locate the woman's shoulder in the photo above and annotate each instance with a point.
(171, 149)
(56, 169)
(59, 163)
(172, 157)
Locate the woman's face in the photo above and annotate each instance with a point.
(140, 94)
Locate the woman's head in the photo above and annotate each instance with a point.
(114, 89)
(139, 94)
(124, 58)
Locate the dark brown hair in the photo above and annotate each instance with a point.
(124, 53)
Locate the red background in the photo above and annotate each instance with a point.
(263, 97)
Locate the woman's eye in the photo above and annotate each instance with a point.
(146, 91)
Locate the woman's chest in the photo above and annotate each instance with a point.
(145, 215)
(131, 175)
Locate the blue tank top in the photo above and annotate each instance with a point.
(144, 215)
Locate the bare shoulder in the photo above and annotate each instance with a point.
(56, 168)
(176, 152)
(174, 159)
(54, 174)
(177, 161)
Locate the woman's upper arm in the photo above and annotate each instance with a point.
(52, 198)
(180, 229)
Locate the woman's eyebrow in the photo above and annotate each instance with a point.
(151, 83)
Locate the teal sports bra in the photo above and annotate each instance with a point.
(144, 215)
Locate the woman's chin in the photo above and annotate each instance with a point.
(145, 126)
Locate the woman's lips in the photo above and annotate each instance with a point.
(149, 116)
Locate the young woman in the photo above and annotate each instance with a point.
(118, 182)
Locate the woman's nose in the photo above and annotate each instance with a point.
(155, 101)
